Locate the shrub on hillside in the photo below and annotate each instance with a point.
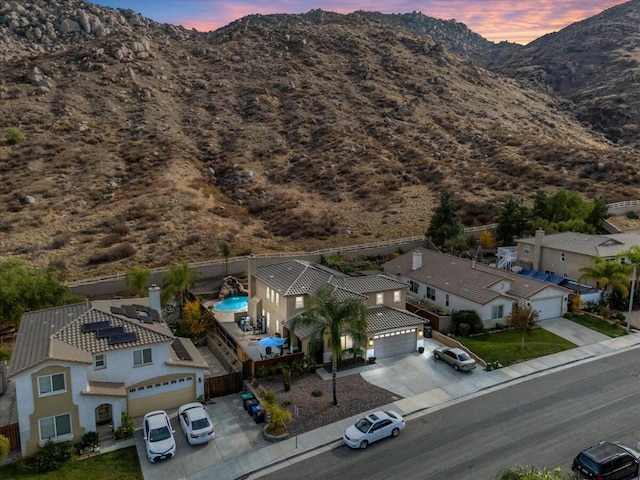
(14, 136)
(117, 252)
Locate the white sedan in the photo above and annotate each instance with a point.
(158, 436)
(373, 427)
(196, 423)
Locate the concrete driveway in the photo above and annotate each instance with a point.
(573, 331)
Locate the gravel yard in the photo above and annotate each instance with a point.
(355, 395)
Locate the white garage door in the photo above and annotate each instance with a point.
(548, 307)
(161, 395)
(390, 344)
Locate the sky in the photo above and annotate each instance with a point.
(496, 20)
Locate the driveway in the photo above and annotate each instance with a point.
(572, 331)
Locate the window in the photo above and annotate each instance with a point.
(141, 357)
(300, 302)
(562, 257)
(431, 293)
(379, 298)
(413, 286)
(397, 296)
(99, 361)
(51, 384)
(268, 292)
(446, 300)
(346, 341)
(497, 311)
(526, 249)
(55, 427)
(277, 298)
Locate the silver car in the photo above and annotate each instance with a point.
(456, 357)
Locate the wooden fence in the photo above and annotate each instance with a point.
(223, 385)
(12, 432)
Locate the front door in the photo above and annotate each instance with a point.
(103, 414)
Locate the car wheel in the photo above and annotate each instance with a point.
(456, 367)
(436, 355)
(364, 444)
(395, 432)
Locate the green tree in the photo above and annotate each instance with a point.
(137, 281)
(445, 223)
(609, 275)
(532, 473)
(326, 314)
(632, 257)
(23, 289)
(567, 211)
(598, 214)
(177, 282)
(514, 221)
(14, 136)
(524, 319)
(225, 250)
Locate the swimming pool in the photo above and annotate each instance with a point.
(232, 304)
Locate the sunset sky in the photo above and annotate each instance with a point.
(496, 20)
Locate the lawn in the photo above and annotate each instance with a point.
(120, 464)
(609, 329)
(504, 346)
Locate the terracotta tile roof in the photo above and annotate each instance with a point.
(368, 283)
(382, 317)
(296, 277)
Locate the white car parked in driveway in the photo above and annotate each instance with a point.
(158, 436)
(196, 423)
(373, 427)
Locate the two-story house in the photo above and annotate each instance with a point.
(279, 292)
(564, 254)
(454, 283)
(80, 366)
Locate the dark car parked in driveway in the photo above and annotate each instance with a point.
(607, 461)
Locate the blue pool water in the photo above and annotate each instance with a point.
(232, 304)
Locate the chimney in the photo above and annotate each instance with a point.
(416, 262)
(154, 298)
(537, 249)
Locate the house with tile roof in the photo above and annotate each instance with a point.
(564, 254)
(455, 283)
(80, 366)
(279, 292)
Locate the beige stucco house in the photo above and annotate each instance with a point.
(454, 283)
(564, 254)
(80, 366)
(279, 292)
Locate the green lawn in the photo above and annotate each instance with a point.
(120, 464)
(610, 329)
(504, 347)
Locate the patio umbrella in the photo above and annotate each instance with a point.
(271, 342)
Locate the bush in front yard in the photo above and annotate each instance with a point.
(463, 329)
(52, 456)
(469, 317)
(126, 428)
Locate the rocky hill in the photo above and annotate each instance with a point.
(594, 63)
(149, 144)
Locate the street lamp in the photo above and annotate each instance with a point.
(633, 287)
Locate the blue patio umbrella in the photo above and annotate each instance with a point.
(271, 342)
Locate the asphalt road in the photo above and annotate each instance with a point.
(543, 422)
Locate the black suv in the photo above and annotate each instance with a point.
(606, 461)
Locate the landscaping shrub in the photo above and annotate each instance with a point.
(633, 215)
(4, 447)
(470, 317)
(464, 329)
(52, 456)
(316, 393)
(90, 440)
(126, 428)
(15, 136)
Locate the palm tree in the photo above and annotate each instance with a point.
(176, 283)
(607, 274)
(326, 314)
(137, 280)
(226, 253)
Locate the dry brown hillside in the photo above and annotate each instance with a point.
(148, 144)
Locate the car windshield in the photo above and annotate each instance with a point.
(363, 425)
(463, 357)
(159, 434)
(200, 424)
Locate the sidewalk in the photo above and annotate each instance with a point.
(278, 455)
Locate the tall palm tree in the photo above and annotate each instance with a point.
(176, 283)
(326, 314)
(226, 253)
(137, 280)
(607, 274)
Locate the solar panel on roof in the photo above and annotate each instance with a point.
(117, 310)
(107, 332)
(141, 308)
(95, 326)
(180, 350)
(155, 316)
(145, 318)
(130, 311)
(123, 338)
